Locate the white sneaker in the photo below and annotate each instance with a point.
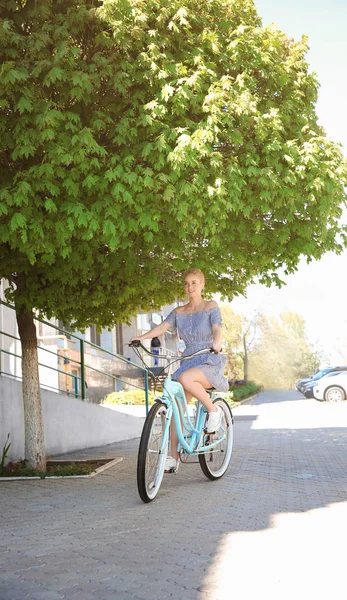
(171, 465)
(214, 421)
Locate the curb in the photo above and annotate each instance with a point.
(236, 404)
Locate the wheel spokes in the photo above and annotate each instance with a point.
(154, 452)
(217, 456)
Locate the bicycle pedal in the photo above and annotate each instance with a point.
(172, 470)
(210, 433)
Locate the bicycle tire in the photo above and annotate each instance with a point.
(208, 460)
(149, 479)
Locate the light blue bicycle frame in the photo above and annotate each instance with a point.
(174, 398)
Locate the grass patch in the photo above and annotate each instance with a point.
(64, 469)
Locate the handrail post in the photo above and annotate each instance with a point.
(146, 390)
(83, 378)
(75, 378)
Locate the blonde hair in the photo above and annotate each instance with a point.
(196, 272)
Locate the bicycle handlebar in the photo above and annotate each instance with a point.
(138, 344)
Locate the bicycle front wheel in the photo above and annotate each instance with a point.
(215, 463)
(152, 453)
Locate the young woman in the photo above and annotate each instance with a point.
(199, 325)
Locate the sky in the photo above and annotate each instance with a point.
(318, 291)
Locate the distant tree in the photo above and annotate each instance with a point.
(239, 338)
(307, 360)
(294, 324)
(232, 342)
(138, 138)
(282, 353)
(249, 333)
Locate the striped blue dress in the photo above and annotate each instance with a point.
(195, 329)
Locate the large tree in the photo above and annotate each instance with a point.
(140, 137)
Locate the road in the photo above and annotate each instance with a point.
(273, 527)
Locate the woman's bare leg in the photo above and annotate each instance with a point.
(196, 383)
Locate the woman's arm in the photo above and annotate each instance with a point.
(155, 332)
(217, 338)
(216, 323)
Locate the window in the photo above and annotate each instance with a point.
(157, 318)
(65, 327)
(119, 338)
(142, 322)
(95, 337)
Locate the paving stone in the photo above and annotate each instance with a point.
(79, 596)
(281, 501)
(48, 595)
(12, 595)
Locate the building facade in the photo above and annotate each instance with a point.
(109, 363)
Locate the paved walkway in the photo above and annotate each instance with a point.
(273, 527)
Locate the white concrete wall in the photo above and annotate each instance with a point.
(11, 417)
(69, 424)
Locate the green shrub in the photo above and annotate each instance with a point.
(229, 397)
(239, 392)
(137, 397)
(131, 397)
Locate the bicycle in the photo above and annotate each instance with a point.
(213, 450)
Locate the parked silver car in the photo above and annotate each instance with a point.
(331, 389)
(307, 387)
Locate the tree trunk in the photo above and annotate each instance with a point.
(245, 359)
(35, 452)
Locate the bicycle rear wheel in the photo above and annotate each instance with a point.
(151, 456)
(215, 463)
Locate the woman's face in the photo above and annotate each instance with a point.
(193, 286)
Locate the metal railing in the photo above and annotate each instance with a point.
(96, 370)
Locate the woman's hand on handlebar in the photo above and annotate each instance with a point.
(137, 340)
(216, 347)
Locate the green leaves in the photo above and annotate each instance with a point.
(18, 221)
(167, 91)
(55, 74)
(50, 206)
(24, 104)
(140, 138)
(10, 75)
